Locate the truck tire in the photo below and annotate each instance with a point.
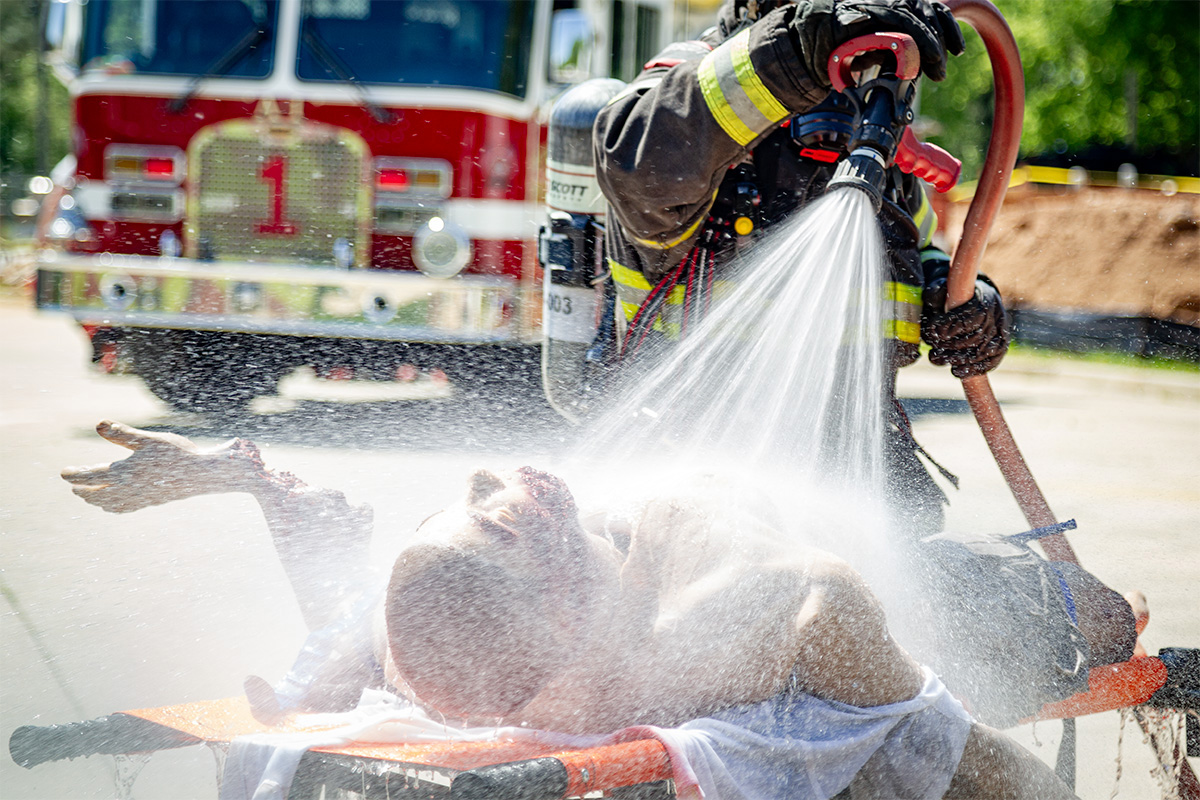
(205, 371)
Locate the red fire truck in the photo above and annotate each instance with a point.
(351, 185)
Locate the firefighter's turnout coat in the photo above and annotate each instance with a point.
(699, 149)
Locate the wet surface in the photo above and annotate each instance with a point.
(104, 612)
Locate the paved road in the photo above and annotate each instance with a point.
(103, 613)
(1117, 449)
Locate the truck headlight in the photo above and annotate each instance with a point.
(441, 249)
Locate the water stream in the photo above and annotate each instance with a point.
(781, 387)
(786, 371)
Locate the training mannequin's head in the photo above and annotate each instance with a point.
(480, 623)
(468, 638)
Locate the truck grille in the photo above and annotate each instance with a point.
(261, 194)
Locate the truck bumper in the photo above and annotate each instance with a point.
(145, 292)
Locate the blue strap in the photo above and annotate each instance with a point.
(1039, 533)
(1068, 598)
(1050, 530)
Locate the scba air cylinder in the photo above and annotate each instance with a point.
(571, 245)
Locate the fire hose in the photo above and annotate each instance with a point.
(998, 165)
(1003, 146)
(877, 72)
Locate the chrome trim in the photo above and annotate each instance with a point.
(295, 300)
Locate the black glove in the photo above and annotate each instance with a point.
(819, 26)
(971, 338)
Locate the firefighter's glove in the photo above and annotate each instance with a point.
(971, 338)
(819, 26)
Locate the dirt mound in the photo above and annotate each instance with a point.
(1103, 251)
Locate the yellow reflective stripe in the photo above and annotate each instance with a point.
(763, 100)
(630, 311)
(926, 221)
(933, 254)
(681, 238)
(735, 95)
(674, 298)
(905, 312)
(903, 330)
(714, 98)
(633, 281)
(902, 293)
(671, 329)
(629, 277)
(904, 302)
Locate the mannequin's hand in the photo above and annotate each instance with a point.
(162, 467)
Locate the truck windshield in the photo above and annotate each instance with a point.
(179, 37)
(475, 44)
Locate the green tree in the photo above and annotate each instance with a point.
(21, 145)
(1087, 63)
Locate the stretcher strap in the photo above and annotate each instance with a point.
(1068, 598)
(1045, 530)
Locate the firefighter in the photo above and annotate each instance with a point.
(721, 138)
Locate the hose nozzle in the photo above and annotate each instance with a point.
(876, 75)
(865, 169)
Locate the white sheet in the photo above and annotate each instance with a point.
(793, 746)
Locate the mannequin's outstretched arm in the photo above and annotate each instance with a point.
(322, 541)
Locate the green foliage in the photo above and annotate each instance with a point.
(1079, 59)
(19, 143)
(1022, 350)
(1078, 56)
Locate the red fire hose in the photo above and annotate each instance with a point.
(1003, 146)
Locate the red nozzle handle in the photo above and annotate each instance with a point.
(927, 161)
(908, 58)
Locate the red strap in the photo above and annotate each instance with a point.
(663, 62)
(664, 59)
(819, 154)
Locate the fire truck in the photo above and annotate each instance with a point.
(355, 186)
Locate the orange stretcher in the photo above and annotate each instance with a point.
(462, 770)
(495, 770)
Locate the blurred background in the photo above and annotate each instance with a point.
(1112, 100)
